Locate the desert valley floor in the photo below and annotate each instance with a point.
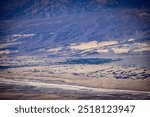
(113, 80)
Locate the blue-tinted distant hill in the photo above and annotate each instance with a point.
(36, 24)
(31, 9)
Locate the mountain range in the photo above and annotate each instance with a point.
(28, 26)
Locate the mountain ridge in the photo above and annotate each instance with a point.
(32, 9)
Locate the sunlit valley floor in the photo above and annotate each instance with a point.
(97, 76)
